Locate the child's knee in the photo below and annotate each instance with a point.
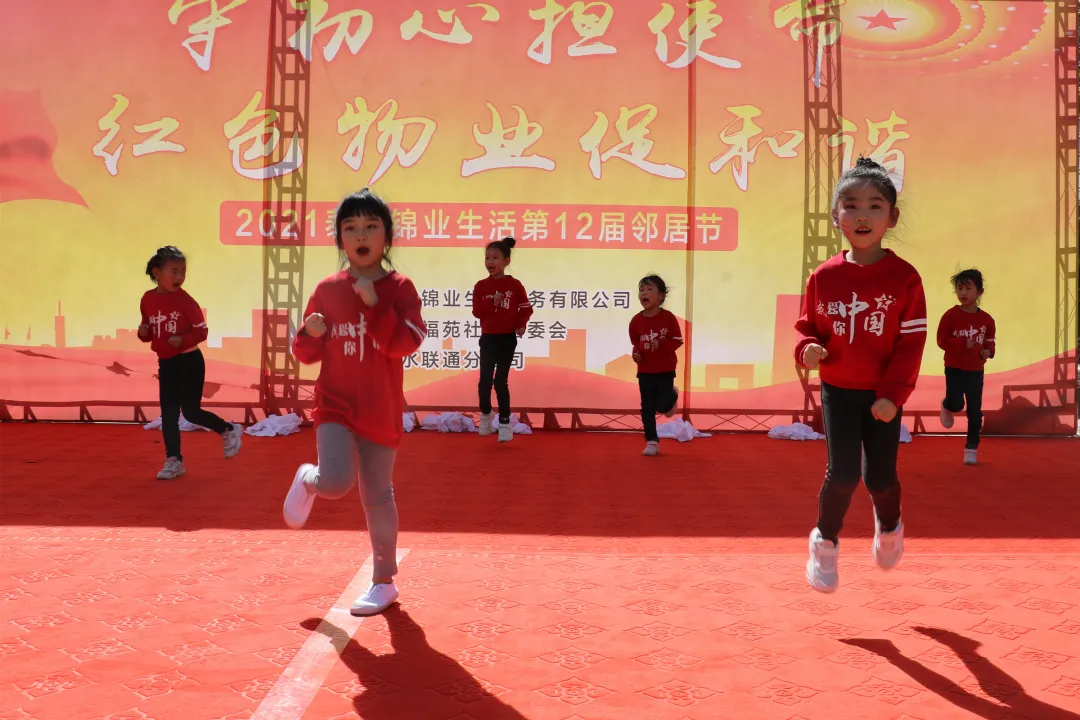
(333, 485)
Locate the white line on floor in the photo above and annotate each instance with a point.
(296, 688)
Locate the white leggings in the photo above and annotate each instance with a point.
(341, 451)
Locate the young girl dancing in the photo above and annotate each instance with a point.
(967, 334)
(359, 323)
(864, 326)
(655, 336)
(502, 306)
(173, 324)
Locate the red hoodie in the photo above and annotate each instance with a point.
(170, 314)
(872, 321)
(664, 329)
(956, 326)
(510, 314)
(360, 381)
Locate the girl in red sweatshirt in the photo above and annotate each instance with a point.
(173, 324)
(359, 323)
(502, 306)
(864, 327)
(968, 336)
(655, 336)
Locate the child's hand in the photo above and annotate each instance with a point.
(970, 342)
(176, 341)
(520, 332)
(813, 355)
(984, 354)
(315, 325)
(497, 299)
(365, 288)
(144, 331)
(884, 410)
(654, 344)
(636, 355)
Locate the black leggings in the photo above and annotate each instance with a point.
(496, 357)
(180, 386)
(858, 445)
(657, 396)
(961, 385)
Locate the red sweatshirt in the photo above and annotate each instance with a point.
(956, 326)
(360, 381)
(872, 321)
(663, 328)
(509, 314)
(170, 314)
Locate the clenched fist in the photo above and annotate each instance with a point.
(315, 325)
(813, 354)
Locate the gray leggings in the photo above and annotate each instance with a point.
(339, 450)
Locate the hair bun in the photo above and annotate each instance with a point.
(866, 162)
(509, 242)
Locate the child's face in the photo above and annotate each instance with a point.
(649, 295)
(864, 215)
(170, 276)
(966, 292)
(495, 262)
(363, 238)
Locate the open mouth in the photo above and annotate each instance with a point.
(863, 231)
(363, 251)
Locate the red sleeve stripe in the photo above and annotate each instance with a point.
(913, 326)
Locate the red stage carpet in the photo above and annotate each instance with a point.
(562, 577)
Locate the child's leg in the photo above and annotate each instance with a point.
(881, 442)
(503, 362)
(377, 494)
(336, 472)
(666, 397)
(954, 390)
(169, 391)
(843, 412)
(194, 378)
(487, 372)
(973, 392)
(647, 386)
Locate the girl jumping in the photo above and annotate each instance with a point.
(655, 336)
(864, 326)
(502, 306)
(359, 323)
(173, 324)
(967, 334)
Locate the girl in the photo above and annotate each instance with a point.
(864, 325)
(173, 324)
(502, 306)
(967, 335)
(359, 323)
(655, 336)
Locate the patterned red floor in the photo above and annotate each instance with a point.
(563, 577)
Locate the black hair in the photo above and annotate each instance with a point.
(656, 281)
(869, 172)
(365, 204)
(970, 275)
(162, 256)
(504, 246)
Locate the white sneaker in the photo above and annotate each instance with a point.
(174, 468)
(230, 440)
(946, 417)
(485, 423)
(651, 448)
(971, 457)
(375, 600)
(672, 411)
(821, 567)
(300, 498)
(506, 433)
(888, 547)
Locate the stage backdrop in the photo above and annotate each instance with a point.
(126, 126)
